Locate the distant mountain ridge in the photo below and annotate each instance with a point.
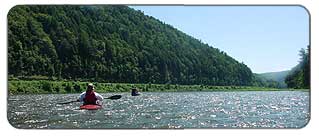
(276, 76)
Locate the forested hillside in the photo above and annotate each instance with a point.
(299, 76)
(112, 44)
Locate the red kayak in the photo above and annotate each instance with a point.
(90, 107)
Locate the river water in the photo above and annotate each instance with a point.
(251, 109)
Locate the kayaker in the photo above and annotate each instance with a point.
(134, 92)
(90, 96)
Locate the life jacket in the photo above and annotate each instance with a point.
(90, 98)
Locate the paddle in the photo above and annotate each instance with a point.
(114, 97)
(68, 102)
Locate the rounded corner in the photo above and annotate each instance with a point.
(306, 124)
(12, 125)
(11, 9)
(305, 8)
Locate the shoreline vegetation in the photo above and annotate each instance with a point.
(18, 86)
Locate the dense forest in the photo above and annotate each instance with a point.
(299, 76)
(113, 44)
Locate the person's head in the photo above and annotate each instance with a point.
(134, 89)
(90, 87)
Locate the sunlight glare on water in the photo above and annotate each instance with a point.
(284, 109)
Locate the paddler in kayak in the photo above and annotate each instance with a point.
(90, 96)
(134, 92)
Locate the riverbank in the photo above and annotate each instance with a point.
(48, 87)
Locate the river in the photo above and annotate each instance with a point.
(245, 109)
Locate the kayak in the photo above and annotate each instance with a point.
(136, 94)
(90, 107)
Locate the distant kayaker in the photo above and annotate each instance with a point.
(134, 92)
(90, 96)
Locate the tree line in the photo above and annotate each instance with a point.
(113, 44)
(299, 76)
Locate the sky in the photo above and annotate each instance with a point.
(265, 38)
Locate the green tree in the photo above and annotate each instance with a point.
(299, 76)
(113, 44)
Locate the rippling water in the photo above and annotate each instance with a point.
(282, 109)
